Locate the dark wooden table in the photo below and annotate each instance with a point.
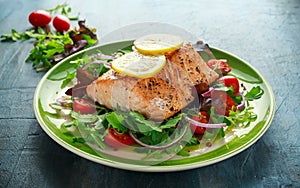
(263, 32)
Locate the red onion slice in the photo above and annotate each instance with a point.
(208, 93)
(61, 101)
(96, 62)
(64, 100)
(243, 104)
(102, 56)
(156, 147)
(206, 125)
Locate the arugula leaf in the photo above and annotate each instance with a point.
(52, 47)
(15, 35)
(244, 117)
(124, 50)
(64, 9)
(44, 50)
(96, 138)
(171, 122)
(57, 8)
(60, 73)
(137, 122)
(157, 137)
(84, 118)
(89, 39)
(254, 93)
(102, 123)
(192, 142)
(74, 122)
(166, 137)
(209, 135)
(68, 79)
(102, 69)
(115, 121)
(78, 140)
(183, 153)
(222, 132)
(92, 135)
(36, 54)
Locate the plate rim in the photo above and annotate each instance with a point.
(142, 168)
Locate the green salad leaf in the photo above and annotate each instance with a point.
(68, 79)
(254, 94)
(115, 120)
(137, 122)
(64, 9)
(243, 118)
(15, 35)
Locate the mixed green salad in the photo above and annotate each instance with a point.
(222, 108)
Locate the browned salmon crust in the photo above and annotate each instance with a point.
(158, 97)
(190, 61)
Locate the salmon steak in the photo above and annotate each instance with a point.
(160, 96)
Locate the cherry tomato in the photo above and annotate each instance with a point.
(61, 23)
(220, 66)
(39, 18)
(84, 106)
(222, 102)
(117, 140)
(231, 81)
(202, 117)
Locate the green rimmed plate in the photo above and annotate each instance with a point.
(48, 90)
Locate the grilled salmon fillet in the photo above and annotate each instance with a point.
(158, 97)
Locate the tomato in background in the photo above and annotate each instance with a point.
(61, 23)
(117, 140)
(84, 106)
(231, 81)
(202, 117)
(39, 18)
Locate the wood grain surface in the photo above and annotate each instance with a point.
(263, 32)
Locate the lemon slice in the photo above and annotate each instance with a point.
(158, 44)
(139, 65)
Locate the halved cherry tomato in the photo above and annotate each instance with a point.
(39, 18)
(231, 81)
(222, 102)
(202, 117)
(220, 66)
(61, 23)
(84, 106)
(117, 140)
